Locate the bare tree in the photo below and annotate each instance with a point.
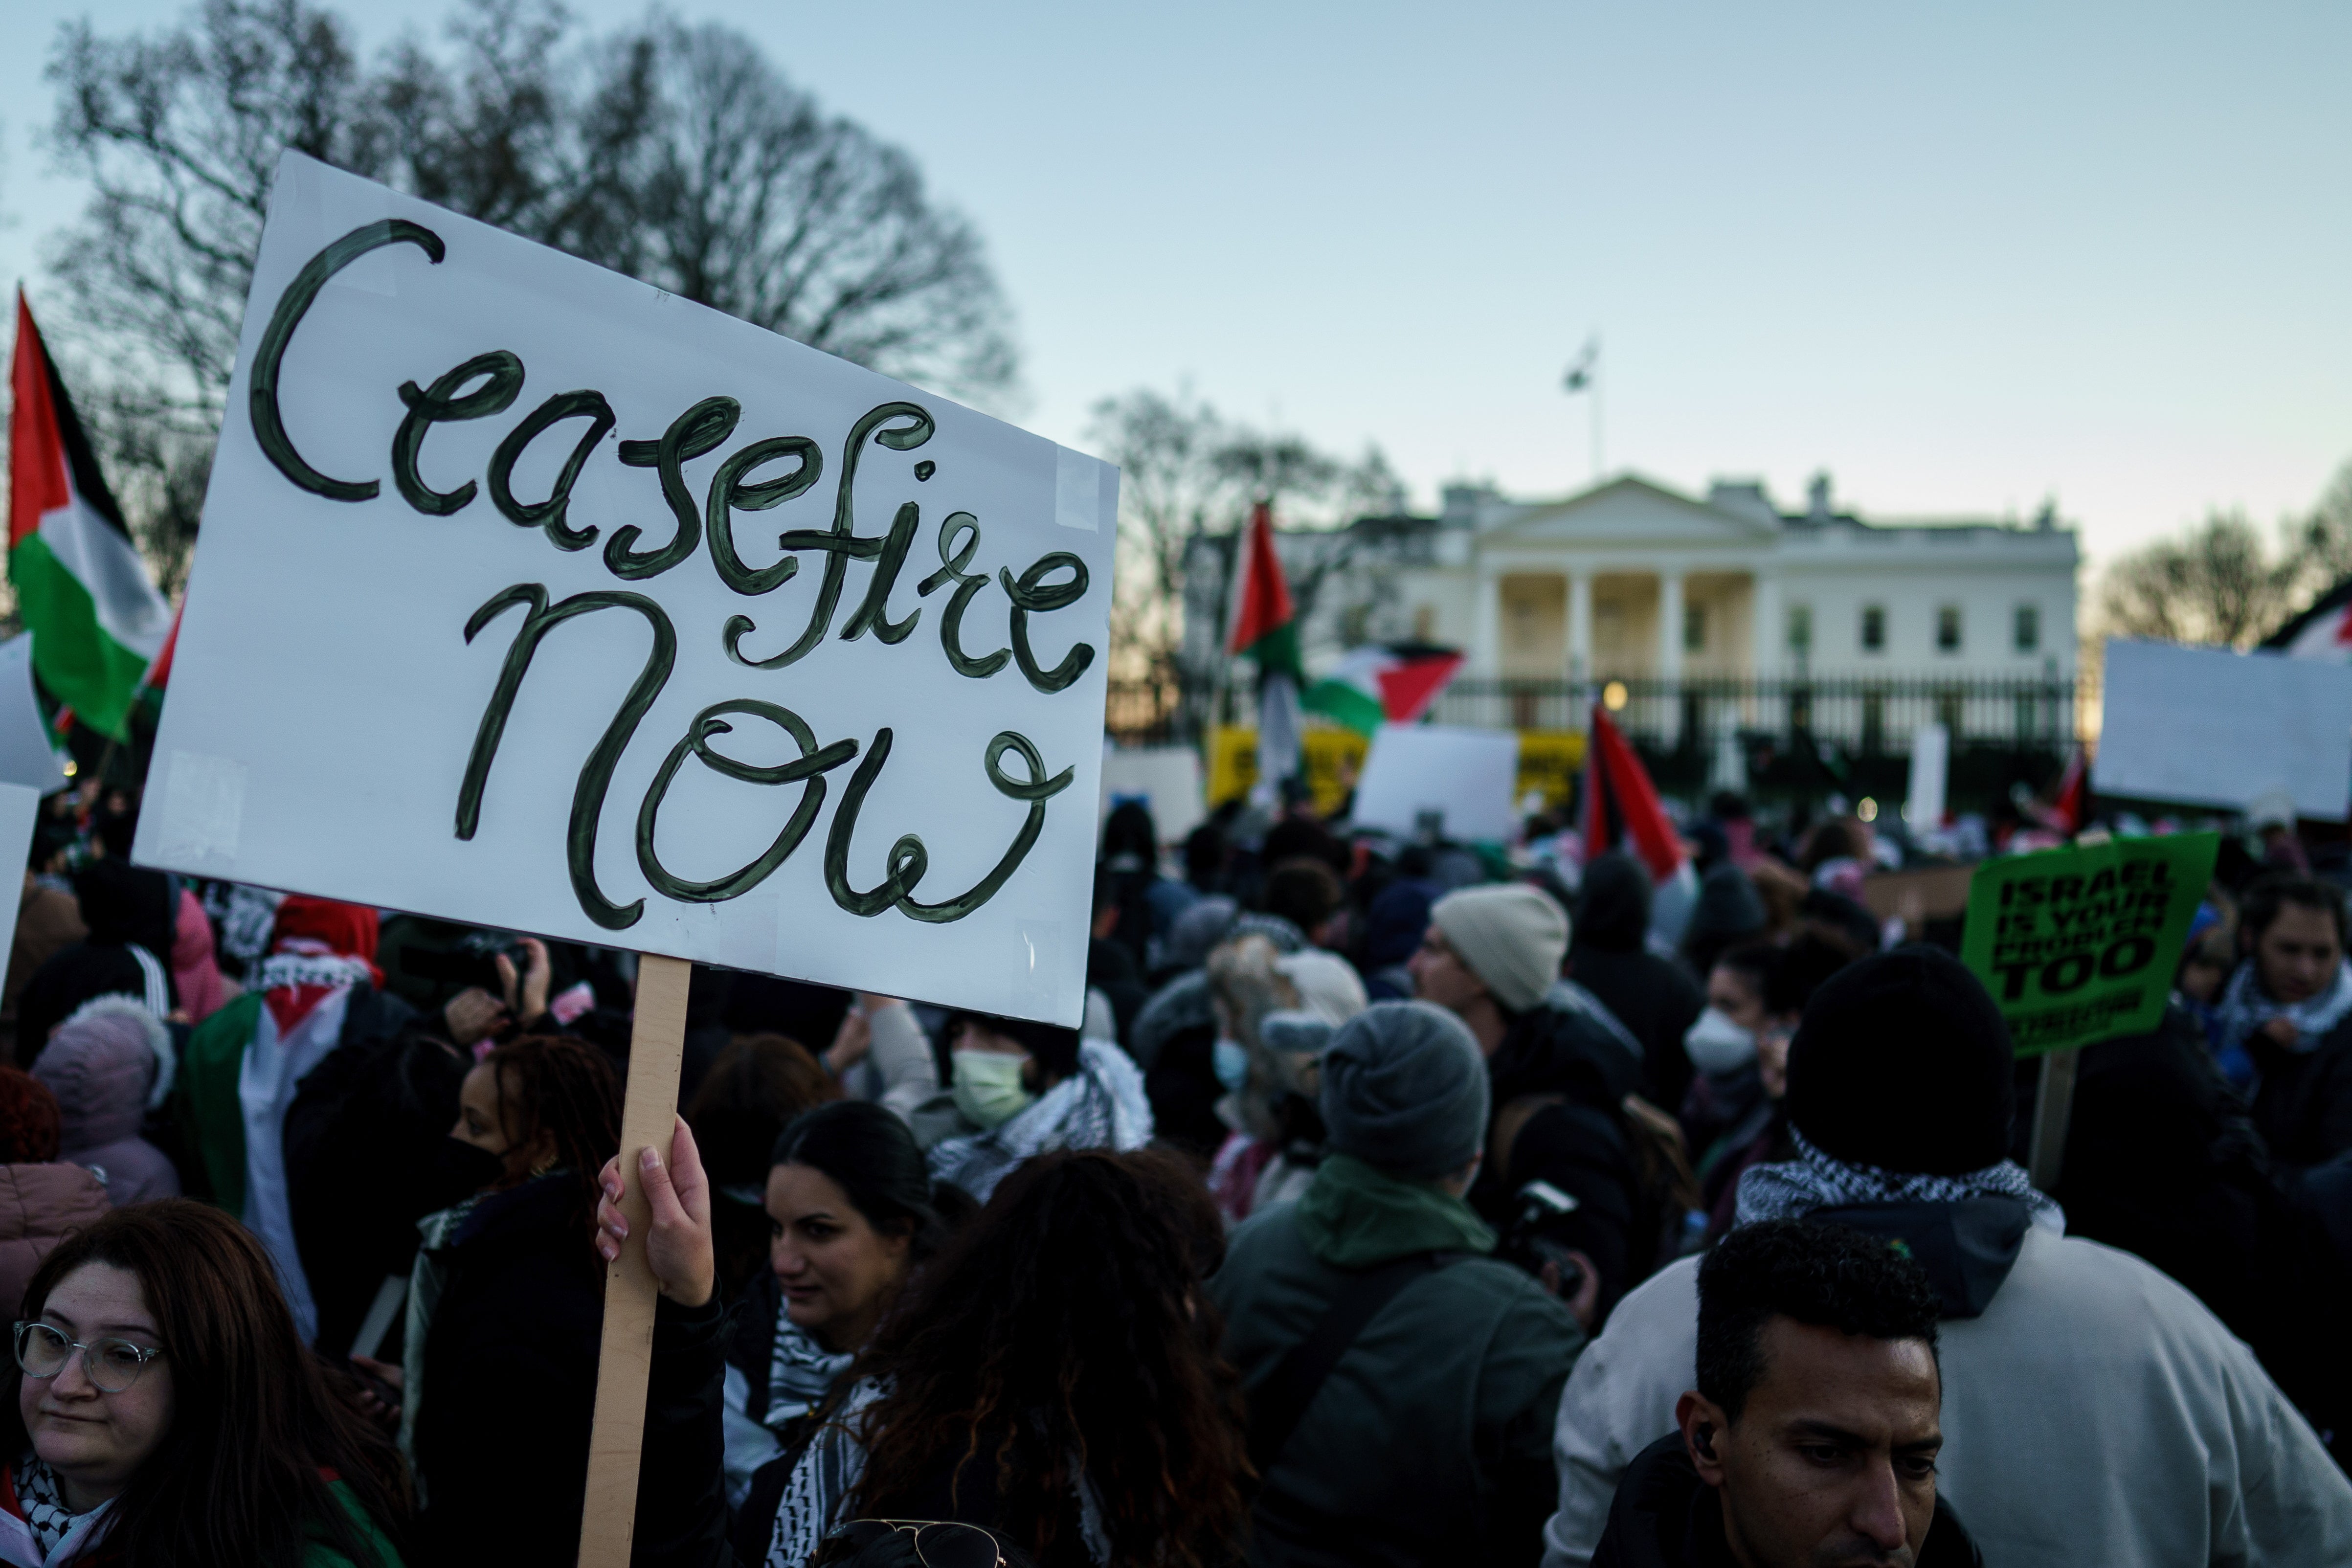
(1187, 478)
(2322, 540)
(2216, 583)
(679, 156)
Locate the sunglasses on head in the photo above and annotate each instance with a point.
(938, 1543)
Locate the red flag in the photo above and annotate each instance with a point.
(2066, 813)
(1262, 608)
(1622, 809)
(160, 672)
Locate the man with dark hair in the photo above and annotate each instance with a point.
(2290, 1006)
(2096, 1411)
(1811, 1441)
(1307, 893)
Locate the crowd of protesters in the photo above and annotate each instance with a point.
(1395, 1204)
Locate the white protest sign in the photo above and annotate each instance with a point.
(1466, 776)
(532, 597)
(1165, 778)
(2208, 727)
(26, 757)
(20, 813)
(1931, 767)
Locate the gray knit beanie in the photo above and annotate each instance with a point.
(1512, 936)
(1404, 1089)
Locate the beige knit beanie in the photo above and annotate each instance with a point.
(1512, 936)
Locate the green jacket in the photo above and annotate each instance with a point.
(1431, 1441)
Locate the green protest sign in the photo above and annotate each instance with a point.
(2079, 946)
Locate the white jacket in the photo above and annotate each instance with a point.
(2096, 1414)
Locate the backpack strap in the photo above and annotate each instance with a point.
(1279, 1403)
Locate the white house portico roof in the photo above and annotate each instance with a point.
(1628, 511)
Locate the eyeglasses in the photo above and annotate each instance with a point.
(937, 1543)
(113, 1364)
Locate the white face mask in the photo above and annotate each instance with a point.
(1717, 1044)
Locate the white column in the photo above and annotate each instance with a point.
(1769, 643)
(1580, 628)
(1670, 654)
(1767, 635)
(1487, 623)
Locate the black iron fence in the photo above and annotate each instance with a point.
(1864, 715)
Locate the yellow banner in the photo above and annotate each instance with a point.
(1548, 763)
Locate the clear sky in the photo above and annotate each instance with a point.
(1963, 257)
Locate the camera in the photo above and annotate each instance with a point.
(1536, 1206)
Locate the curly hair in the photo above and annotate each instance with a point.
(1066, 1332)
(241, 1479)
(1822, 1275)
(566, 1088)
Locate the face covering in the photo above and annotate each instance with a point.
(988, 1088)
(457, 1170)
(1716, 1043)
(1230, 1059)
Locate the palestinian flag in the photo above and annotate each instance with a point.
(2323, 631)
(1266, 627)
(1392, 684)
(1622, 809)
(81, 589)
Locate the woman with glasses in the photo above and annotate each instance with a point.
(506, 1312)
(1050, 1383)
(166, 1413)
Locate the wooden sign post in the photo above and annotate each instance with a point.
(656, 1043)
(614, 619)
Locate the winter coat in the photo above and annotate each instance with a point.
(682, 1516)
(2162, 1162)
(40, 1205)
(509, 1384)
(2303, 1103)
(102, 1077)
(383, 1100)
(1427, 1443)
(1663, 1516)
(2094, 1412)
(48, 920)
(1653, 997)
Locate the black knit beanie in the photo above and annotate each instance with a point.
(1902, 1061)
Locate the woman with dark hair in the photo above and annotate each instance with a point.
(165, 1413)
(506, 1310)
(852, 1213)
(1052, 1378)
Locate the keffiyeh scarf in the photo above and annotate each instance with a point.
(1815, 1181)
(801, 1373)
(2244, 1008)
(827, 1469)
(44, 1503)
(1101, 1106)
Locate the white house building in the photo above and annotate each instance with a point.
(1713, 611)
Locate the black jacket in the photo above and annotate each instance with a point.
(1654, 998)
(682, 1519)
(2303, 1108)
(509, 1382)
(383, 1099)
(1666, 1516)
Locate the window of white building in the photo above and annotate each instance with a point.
(1801, 628)
(1947, 629)
(2028, 628)
(1693, 628)
(1874, 628)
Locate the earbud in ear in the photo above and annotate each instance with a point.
(1704, 1439)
